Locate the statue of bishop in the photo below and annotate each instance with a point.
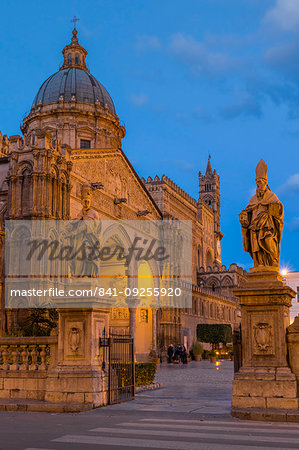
(262, 223)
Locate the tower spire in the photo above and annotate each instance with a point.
(209, 167)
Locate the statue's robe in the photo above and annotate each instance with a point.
(265, 222)
(84, 234)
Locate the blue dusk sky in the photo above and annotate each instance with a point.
(188, 78)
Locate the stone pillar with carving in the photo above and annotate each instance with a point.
(79, 376)
(264, 382)
(293, 346)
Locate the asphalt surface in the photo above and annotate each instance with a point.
(191, 411)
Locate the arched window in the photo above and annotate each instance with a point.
(70, 59)
(209, 259)
(77, 60)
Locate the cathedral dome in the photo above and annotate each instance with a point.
(73, 83)
(73, 107)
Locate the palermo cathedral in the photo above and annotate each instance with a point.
(71, 137)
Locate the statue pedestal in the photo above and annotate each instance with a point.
(78, 375)
(264, 380)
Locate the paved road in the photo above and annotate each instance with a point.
(190, 412)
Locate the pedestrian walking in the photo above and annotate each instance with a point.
(170, 352)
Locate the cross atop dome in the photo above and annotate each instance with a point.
(75, 20)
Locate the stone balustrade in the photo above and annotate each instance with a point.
(28, 353)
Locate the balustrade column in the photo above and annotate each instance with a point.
(43, 357)
(24, 357)
(33, 354)
(5, 357)
(14, 357)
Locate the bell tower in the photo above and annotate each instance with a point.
(209, 194)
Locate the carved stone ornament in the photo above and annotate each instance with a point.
(144, 315)
(74, 339)
(262, 336)
(120, 314)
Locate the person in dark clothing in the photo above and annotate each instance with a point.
(184, 355)
(177, 353)
(170, 352)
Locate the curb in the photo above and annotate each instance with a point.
(149, 387)
(266, 415)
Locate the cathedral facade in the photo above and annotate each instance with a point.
(73, 136)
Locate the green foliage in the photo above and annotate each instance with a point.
(214, 333)
(205, 354)
(124, 373)
(197, 348)
(40, 322)
(145, 373)
(224, 356)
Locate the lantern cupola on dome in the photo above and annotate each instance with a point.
(74, 54)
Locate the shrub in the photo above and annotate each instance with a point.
(205, 354)
(145, 373)
(40, 322)
(214, 333)
(197, 348)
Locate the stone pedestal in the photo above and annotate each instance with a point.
(264, 380)
(64, 373)
(293, 346)
(78, 375)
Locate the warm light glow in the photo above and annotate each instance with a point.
(284, 272)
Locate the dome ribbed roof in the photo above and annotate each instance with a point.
(70, 82)
(73, 81)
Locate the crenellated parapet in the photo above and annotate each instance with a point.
(151, 183)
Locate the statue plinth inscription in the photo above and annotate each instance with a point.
(264, 380)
